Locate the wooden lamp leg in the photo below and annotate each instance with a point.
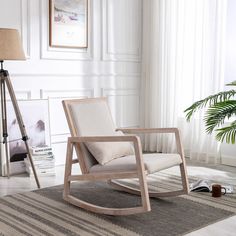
(21, 123)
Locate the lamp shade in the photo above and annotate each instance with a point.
(10, 45)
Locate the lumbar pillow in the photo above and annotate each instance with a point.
(104, 152)
(93, 118)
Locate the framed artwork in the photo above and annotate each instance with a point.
(68, 23)
(35, 114)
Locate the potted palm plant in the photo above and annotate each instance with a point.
(220, 106)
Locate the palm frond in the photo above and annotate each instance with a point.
(210, 101)
(217, 113)
(232, 83)
(227, 133)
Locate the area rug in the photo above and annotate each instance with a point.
(43, 212)
(169, 180)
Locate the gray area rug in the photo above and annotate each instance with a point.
(43, 212)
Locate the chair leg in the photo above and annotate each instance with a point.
(68, 168)
(183, 169)
(142, 176)
(184, 177)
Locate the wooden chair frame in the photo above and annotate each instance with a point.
(139, 173)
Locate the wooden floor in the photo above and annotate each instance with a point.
(23, 183)
(227, 227)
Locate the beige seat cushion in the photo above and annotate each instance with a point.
(153, 162)
(94, 119)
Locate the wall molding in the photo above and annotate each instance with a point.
(25, 26)
(136, 75)
(127, 98)
(59, 138)
(119, 92)
(20, 95)
(47, 94)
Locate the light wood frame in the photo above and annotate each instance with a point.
(110, 177)
(51, 22)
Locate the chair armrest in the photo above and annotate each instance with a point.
(120, 138)
(176, 131)
(147, 130)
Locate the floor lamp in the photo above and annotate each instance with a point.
(11, 49)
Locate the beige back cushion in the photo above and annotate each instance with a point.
(93, 118)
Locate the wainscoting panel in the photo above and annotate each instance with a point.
(124, 104)
(20, 95)
(122, 25)
(66, 93)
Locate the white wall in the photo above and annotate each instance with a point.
(109, 67)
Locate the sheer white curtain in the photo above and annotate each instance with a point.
(183, 45)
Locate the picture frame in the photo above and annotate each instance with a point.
(68, 23)
(35, 114)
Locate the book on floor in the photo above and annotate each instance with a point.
(203, 185)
